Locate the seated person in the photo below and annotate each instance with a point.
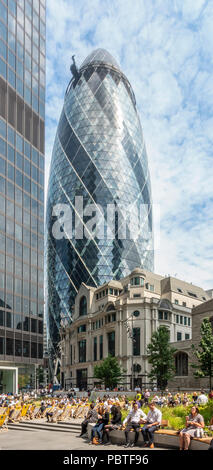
(185, 399)
(115, 422)
(193, 422)
(42, 407)
(49, 414)
(177, 399)
(103, 419)
(91, 417)
(162, 400)
(170, 400)
(195, 397)
(153, 422)
(133, 420)
(146, 397)
(202, 399)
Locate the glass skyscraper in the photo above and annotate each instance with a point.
(22, 115)
(99, 164)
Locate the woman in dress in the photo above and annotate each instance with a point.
(193, 422)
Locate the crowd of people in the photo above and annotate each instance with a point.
(105, 413)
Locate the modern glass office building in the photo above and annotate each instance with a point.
(22, 114)
(99, 166)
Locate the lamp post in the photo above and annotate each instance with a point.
(131, 336)
(61, 359)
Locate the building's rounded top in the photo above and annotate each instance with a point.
(138, 271)
(100, 56)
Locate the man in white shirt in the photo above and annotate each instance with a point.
(153, 421)
(202, 399)
(133, 420)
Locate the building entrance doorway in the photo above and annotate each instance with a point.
(8, 380)
(82, 379)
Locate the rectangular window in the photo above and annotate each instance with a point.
(177, 318)
(185, 321)
(18, 322)
(187, 336)
(95, 349)
(111, 343)
(189, 321)
(26, 349)
(136, 341)
(82, 351)
(9, 347)
(176, 301)
(18, 348)
(40, 351)
(179, 336)
(2, 346)
(2, 318)
(26, 322)
(160, 315)
(40, 327)
(9, 319)
(33, 326)
(34, 350)
(181, 320)
(101, 347)
(82, 329)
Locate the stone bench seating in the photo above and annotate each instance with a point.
(162, 438)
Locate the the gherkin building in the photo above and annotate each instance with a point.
(99, 157)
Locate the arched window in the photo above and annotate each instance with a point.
(110, 307)
(181, 364)
(83, 306)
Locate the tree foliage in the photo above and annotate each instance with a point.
(161, 357)
(109, 372)
(204, 353)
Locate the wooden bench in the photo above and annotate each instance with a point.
(167, 438)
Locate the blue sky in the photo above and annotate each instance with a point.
(164, 47)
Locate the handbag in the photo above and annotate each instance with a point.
(198, 433)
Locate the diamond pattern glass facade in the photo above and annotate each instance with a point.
(99, 153)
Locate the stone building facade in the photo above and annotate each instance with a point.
(119, 318)
(184, 357)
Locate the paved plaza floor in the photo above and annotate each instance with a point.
(49, 440)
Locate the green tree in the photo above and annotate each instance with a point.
(161, 357)
(23, 380)
(109, 372)
(204, 353)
